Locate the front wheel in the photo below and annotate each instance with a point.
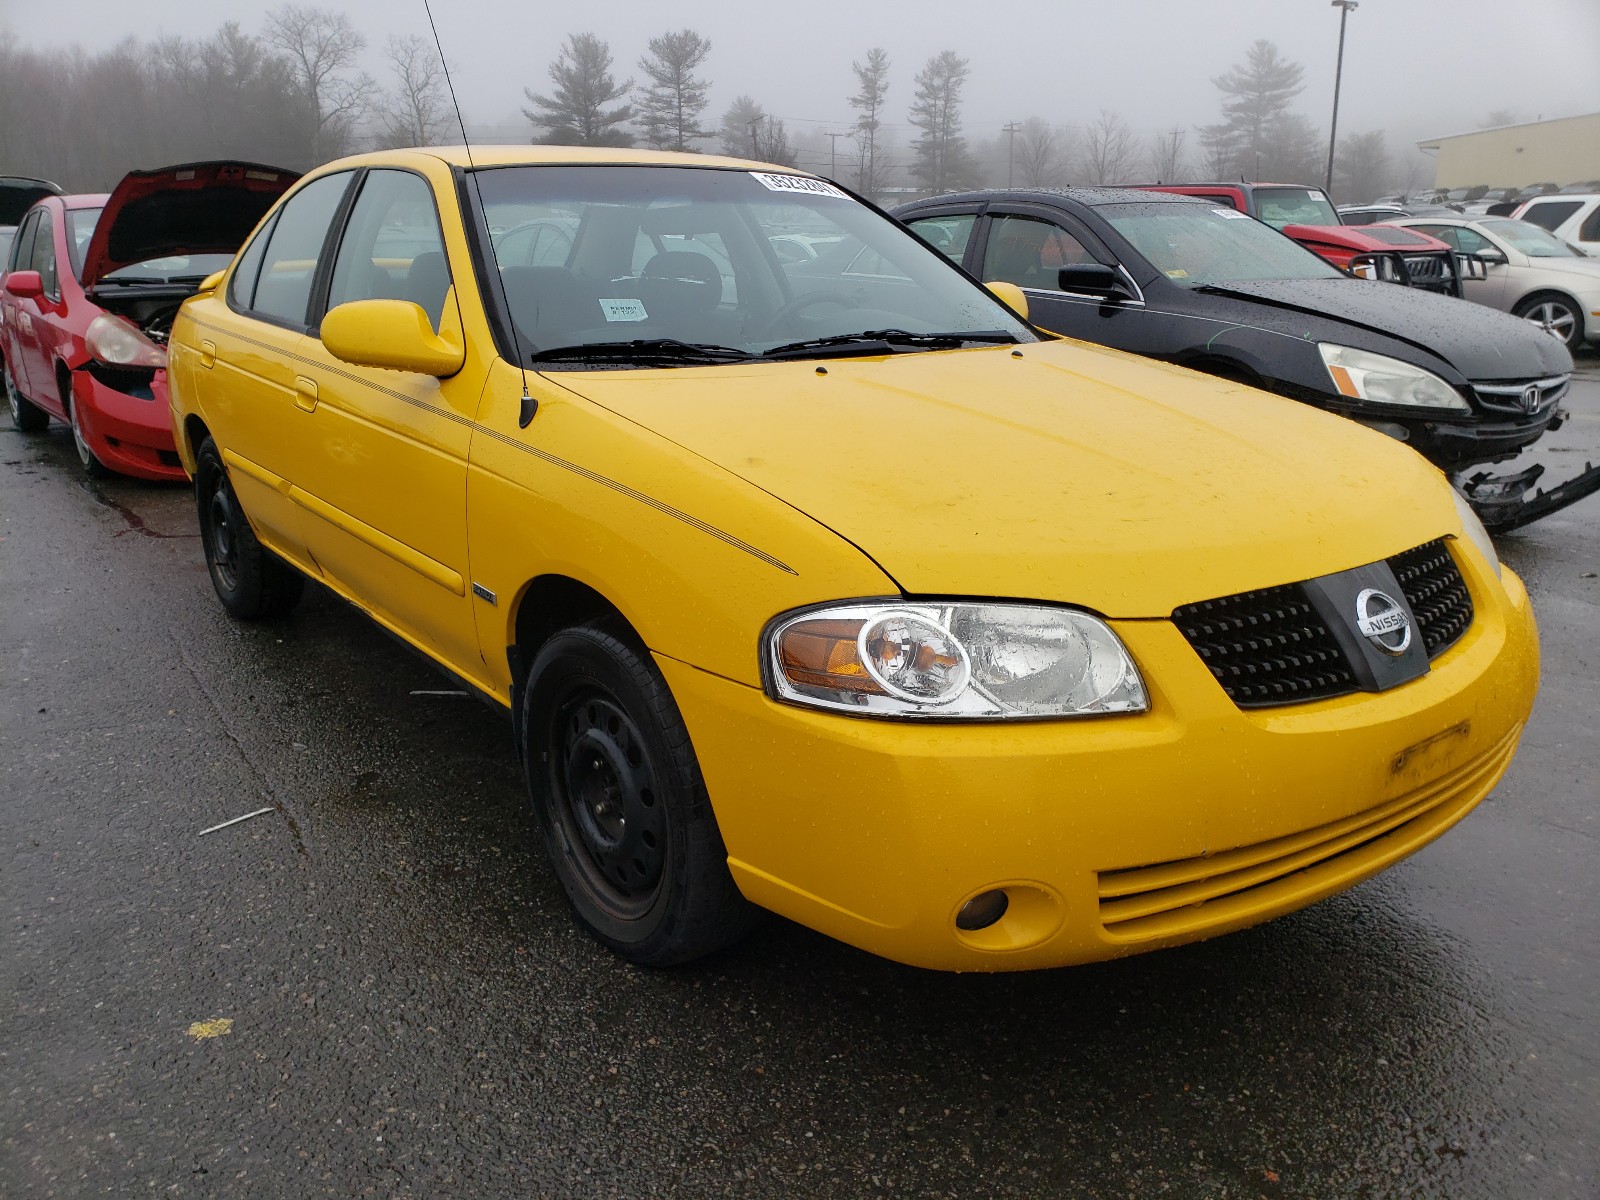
(92, 466)
(1554, 313)
(622, 806)
(253, 583)
(27, 416)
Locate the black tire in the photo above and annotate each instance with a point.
(92, 466)
(253, 583)
(1558, 315)
(27, 416)
(622, 805)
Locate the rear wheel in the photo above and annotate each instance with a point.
(27, 416)
(1557, 315)
(253, 583)
(621, 803)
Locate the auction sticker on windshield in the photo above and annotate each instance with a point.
(796, 183)
(1233, 214)
(624, 310)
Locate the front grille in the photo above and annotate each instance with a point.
(1437, 594)
(1272, 646)
(1508, 395)
(1426, 267)
(1192, 895)
(1267, 647)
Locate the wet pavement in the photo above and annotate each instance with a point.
(373, 988)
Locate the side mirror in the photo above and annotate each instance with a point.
(1490, 258)
(212, 281)
(1093, 279)
(395, 335)
(24, 284)
(1010, 295)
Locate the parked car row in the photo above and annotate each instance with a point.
(817, 578)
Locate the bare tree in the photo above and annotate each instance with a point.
(1040, 154)
(1109, 148)
(872, 78)
(322, 48)
(1167, 163)
(418, 111)
(671, 104)
(942, 160)
(575, 113)
(748, 131)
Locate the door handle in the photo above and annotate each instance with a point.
(305, 393)
(208, 353)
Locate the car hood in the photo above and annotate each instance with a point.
(18, 194)
(1479, 342)
(1581, 270)
(194, 208)
(1072, 474)
(1361, 238)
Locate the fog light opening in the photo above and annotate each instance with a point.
(983, 910)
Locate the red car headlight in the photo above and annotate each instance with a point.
(118, 343)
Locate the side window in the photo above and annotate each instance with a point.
(1469, 241)
(283, 290)
(1445, 233)
(392, 247)
(43, 259)
(948, 235)
(1360, 218)
(1030, 253)
(22, 248)
(242, 285)
(1551, 213)
(1590, 231)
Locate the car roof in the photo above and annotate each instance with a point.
(1089, 197)
(514, 155)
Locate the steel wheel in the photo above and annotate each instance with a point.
(1556, 315)
(222, 535)
(92, 466)
(252, 582)
(25, 415)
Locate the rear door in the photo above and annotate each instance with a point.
(16, 313)
(41, 317)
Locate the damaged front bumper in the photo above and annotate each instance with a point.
(1504, 503)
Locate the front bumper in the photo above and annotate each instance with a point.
(1111, 835)
(130, 434)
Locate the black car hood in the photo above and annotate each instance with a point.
(18, 194)
(1479, 342)
(195, 208)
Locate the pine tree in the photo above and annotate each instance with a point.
(1254, 138)
(942, 161)
(873, 78)
(670, 106)
(576, 114)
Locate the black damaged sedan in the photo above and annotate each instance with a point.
(1205, 286)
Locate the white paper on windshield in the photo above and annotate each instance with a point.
(624, 310)
(1233, 214)
(796, 183)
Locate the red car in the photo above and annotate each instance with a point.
(91, 287)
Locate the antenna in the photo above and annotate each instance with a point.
(530, 406)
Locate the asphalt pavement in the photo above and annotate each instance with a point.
(373, 987)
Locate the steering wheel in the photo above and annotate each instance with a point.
(801, 303)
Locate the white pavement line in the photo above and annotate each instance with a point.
(258, 812)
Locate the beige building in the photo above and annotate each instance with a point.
(1561, 151)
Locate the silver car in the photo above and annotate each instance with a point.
(1529, 272)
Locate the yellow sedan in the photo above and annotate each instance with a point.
(826, 585)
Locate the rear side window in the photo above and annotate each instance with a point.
(1551, 213)
(392, 247)
(289, 266)
(43, 259)
(22, 248)
(1590, 232)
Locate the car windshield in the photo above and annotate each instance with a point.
(747, 261)
(1294, 206)
(80, 228)
(174, 268)
(1530, 239)
(1195, 245)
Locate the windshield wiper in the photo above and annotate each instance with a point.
(642, 350)
(884, 341)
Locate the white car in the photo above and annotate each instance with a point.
(1574, 219)
(1529, 272)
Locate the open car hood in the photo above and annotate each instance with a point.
(194, 208)
(18, 194)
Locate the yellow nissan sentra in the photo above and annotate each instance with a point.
(817, 581)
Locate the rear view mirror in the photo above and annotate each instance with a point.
(1093, 279)
(24, 284)
(395, 335)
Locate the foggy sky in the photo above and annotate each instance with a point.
(1413, 68)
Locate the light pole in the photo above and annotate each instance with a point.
(1344, 7)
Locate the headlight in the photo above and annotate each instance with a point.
(1379, 379)
(951, 661)
(1476, 533)
(119, 343)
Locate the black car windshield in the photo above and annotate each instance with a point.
(1195, 245)
(174, 268)
(679, 258)
(1294, 206)
(80, 228)
(1533, 240)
